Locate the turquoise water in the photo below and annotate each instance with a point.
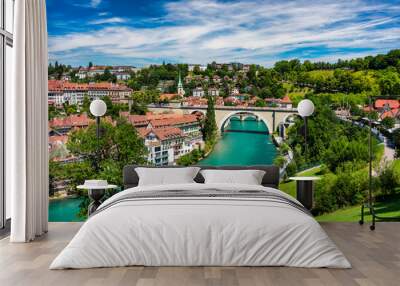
(64, 209)
(243, 148)
(232, 149)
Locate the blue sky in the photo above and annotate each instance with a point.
(140, 32)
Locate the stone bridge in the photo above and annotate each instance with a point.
(272, 117)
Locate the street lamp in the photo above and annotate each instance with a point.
(98, 108)
(305, 108)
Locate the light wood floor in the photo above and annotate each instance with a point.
(375, 257)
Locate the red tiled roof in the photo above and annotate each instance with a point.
(70, 121)
(124, 114)
(58, 138)
(272, 100)
(161, 133)
(368, 108)
(55, 85)
(143, 131)
(254, 99)
(187, 118)
(392, 103)
(286, 99)
(145, 119)
(168, 96)
(60, 85)
(138, 119)
(391, 113)
(193, 100)
(168, 133)
(231, 99)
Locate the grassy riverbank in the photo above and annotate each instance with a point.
(290, 186)
(390, 207)
(385, 206)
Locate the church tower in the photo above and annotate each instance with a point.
(181, 91)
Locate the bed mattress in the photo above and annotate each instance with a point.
(201, 225)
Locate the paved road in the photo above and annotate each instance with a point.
(388, 153)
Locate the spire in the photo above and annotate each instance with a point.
(181, 91)
(180, 81)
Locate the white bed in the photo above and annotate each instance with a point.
(200, 231)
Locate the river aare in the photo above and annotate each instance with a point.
(245, 143)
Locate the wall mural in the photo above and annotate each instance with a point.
(237, 105)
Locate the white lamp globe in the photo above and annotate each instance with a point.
(305, 108)
(98, 108)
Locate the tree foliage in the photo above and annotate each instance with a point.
(210, 125)
(329, 140)
(118, 145)
(378, 62)
(388, 122)
(190, 158)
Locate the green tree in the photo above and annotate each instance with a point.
(191, 158)
(342, 150)
(70, 108)
(260, 103)
(388, 122)
(389, 82)
(53, 112)
(280, 161)
(112, 109)
(120, 144)
(396, 141)
(210, 126)
(86, 105)
(388, 179)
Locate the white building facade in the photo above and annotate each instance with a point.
(198, 92)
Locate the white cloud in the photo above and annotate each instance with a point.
(95, 3)
(250, 31)
(90, 4)
(112, 20)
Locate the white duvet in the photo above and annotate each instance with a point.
(200, 231)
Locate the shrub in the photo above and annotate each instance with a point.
(298, 157)
(284, 149)
(350, 187)
(324, 197)
(347, 187)
(279, 161)
(388, 179)
(388, 122)
(341, 150)
(190, 158)
(324, 169)
(291, 169)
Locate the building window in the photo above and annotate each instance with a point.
(6, 43)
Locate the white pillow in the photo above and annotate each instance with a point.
(166, 176)
(248, 177)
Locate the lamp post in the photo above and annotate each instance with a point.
(370, 203)
(305, 108)
(98, 108)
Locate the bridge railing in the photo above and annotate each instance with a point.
(223, 107)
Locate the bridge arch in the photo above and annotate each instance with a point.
(289, 116)
(272, 117)
(199, 114)
(221, 123)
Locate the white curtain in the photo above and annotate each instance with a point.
(26, 124)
